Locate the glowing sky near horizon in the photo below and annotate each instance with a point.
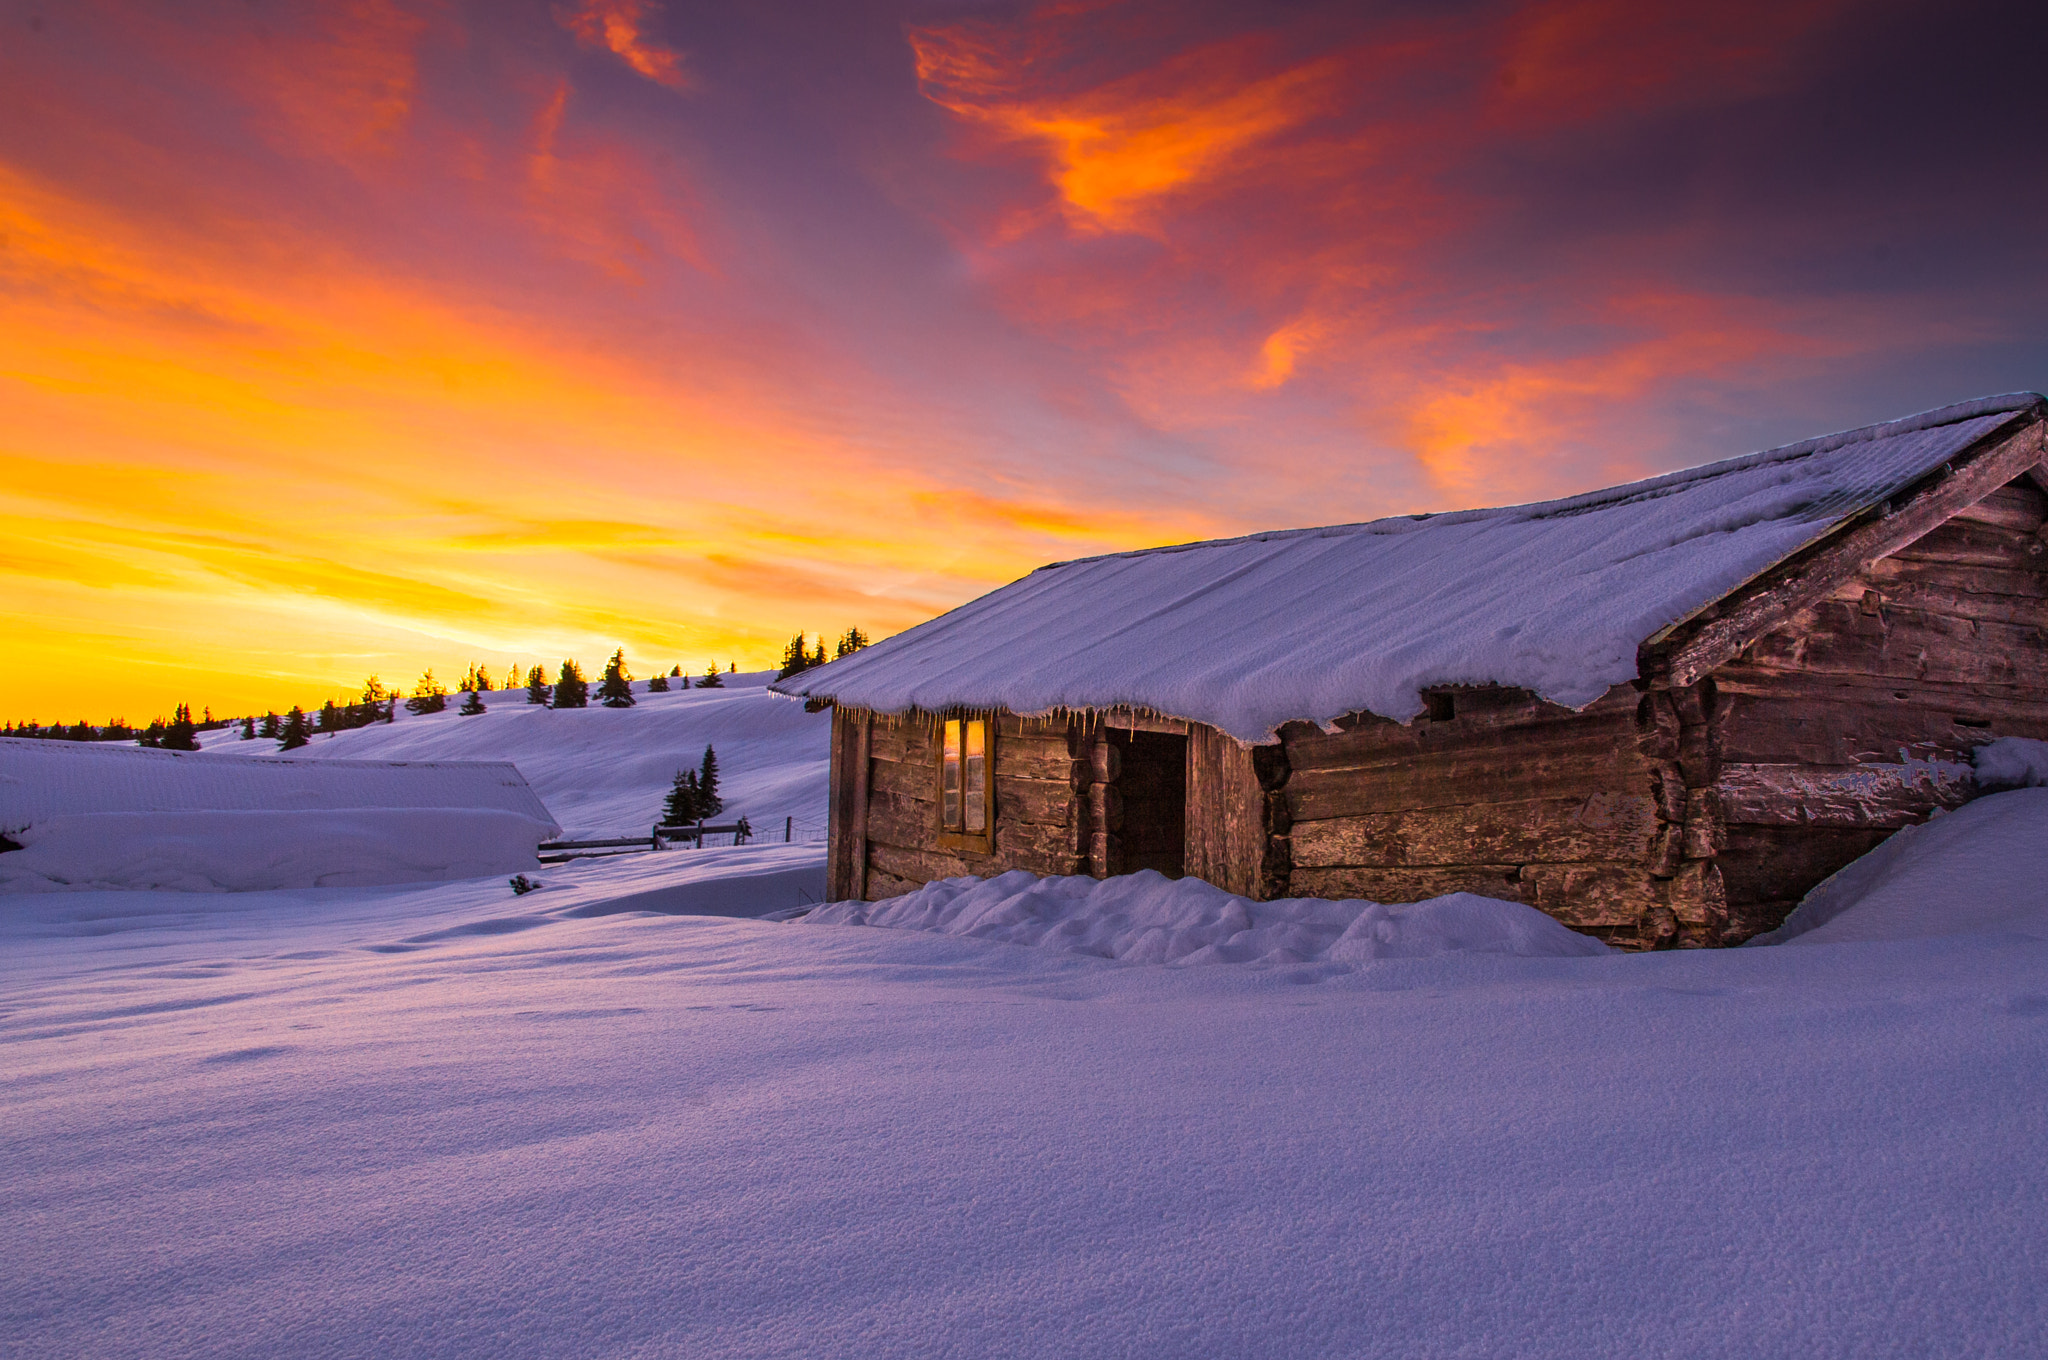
(372, 335)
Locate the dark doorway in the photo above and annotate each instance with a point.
(1155, 795)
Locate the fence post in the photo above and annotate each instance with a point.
(788, 826)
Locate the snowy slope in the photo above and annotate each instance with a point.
(447, 1122)
(605, 771)
(1312, 624)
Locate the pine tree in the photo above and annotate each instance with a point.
(794, 658)
(676, 671)
(571, 689)
(710, 679)
(179, 736)
(471, 704)
(269, 729)
(681, 806)
(615, 690)
(249, 729)
(428, 696)
(709, 804)
(330, 718)
(296, 731)
(537, 690)
(374, 691)
(850, 642)
(818, 658)
(658, 684)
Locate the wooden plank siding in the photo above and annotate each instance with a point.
(1858, 714)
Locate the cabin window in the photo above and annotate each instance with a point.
(1442, 707)
(964, 784)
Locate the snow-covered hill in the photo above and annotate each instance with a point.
(604, 771)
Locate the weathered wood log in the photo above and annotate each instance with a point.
(1767, 869)
(1105, 854)
(1033, 758)
(1555, 769)
(1341, 882)
(1105, 807)
(1907, 594)
(2017, 505)
(839, 846)
(903, 740)
(1812, 574)
(1910, 646)
(1593, 895)
(922, 866)
(1698, 897)
(1875, 794)
(1657, 726)
(1799, 727)
(1603, 826)
(1888, 573)
(898, 820)
(1962, 544)
(1706, 829)
(1667, 789)
(1667, 850)
(1044, 802)
(1227, 812)
(1380, 743)
(882, 887)
(920, 781)
(1105, 762)
(1041, 849)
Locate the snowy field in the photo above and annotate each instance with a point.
(604, 771)
(444, 1121)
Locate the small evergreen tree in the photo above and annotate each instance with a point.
(794, 658)
(851, 641)
(296, 732)
(537, 689)
(615, 690)
(676, 671)
(658, 684)
(329, 720)
(681, 806)
(571, 689)
(269, 729)
(181, 734)
(709, 804)
(471, 704)
(428, 696)
(818, 658)
(710, 679)
(249, 728)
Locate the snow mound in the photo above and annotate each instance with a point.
(242, 851)
(2012, 763)
(1148, 918)
(1980, 869)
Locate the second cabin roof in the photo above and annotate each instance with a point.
(1311, 624)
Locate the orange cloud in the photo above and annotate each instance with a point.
(620, 27)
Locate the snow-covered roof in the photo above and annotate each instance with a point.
(1311, 624)
(42, 779)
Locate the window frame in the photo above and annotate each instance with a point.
(980, 842)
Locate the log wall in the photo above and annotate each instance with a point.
(1578, 814)
(1857, 716)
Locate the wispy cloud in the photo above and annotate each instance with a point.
(620, 26)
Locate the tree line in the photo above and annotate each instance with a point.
(295, 728)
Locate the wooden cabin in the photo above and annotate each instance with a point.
(1660, 712)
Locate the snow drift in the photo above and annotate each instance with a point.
(1148, 918)
(243, 851)
(1982, 868)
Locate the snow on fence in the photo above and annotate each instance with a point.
(792, 831)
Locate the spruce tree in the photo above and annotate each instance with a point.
(794, 658)
(616, 688)
(710, 678)
(296, 731)
(330, 718)
(709, 804)
(818, 658)
(680, 808)
(571, 689)
(374, 691)
(658, 684)
(537, 690)
(249, 728)
(179, 736)
(471, 704)
(676, 671)
(483, 680)
(851, 641)
(269, 729)
(428, 696)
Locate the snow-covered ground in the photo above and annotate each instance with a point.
(443, 1120)
(604, 771)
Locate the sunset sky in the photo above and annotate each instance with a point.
(371, 335)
